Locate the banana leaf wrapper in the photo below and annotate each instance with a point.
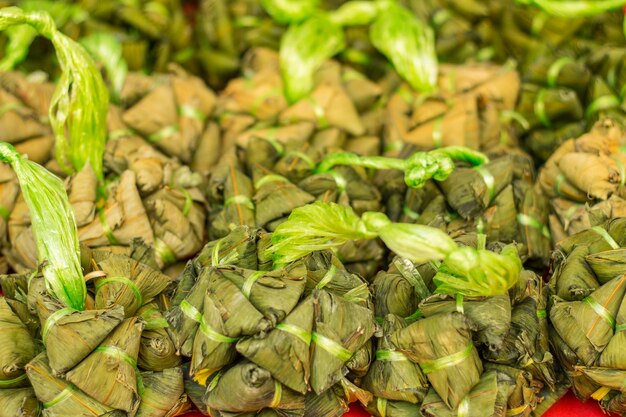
(110, 373)
(19, 402)
(255, 388)
(363, 91)
(241, 316)
(523, 391)
(595, 238)
(400, 289)
(17, 348)
(14, 285)
(569, 218)
(532, 220)
(238, 248)
(327, 106)
(572, 74)
(262, 153)
(122, 218)
(412, 203)
(360, 362)
(469, 191)
(551, 397)
(501, 217)
(213, 347)
(194, 391)
(482, 401)
(330, 403)
(488, 317)
(611, 356)
(260, 95)
(298, 161)
(604, 378)
(9, 190)
(573, 277)
(70, 336)
(235, 191)
(392, 376)
(582, 328)
(437, 342)
(50, 390)
(557, 104)
(382, 407)
(275, 198)
(362, 257)
(163, 394)
(172, 116)
(543, 142)
(608, 264)
(341, 329)
(157, 351)
(285, 350)
(296, 133)
(614, 403)
(177, 216)
(325, 271)
(128, 283)
(615, 206)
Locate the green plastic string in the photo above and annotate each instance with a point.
(215, 253)
(458, 299)
(119, 353)
(240, 199)
(164, 133)
(390, 356)
(192, 313)
(320, 114)
(340, 180)
(11, 382)
(408, 212)
(489, 180)
(602, 103)
(278, 393)
(558, 183)
(278, 147)
(163, 252)
(153, 323)
(506, 116)
(600, 311)
(122, 280)
(555, 70)
(620, 327)
(538, 23)
(306, 158)
(428, 367)
(413, 276)
(120, 133)
(67, 393)
(542, 313)
(52, 320)
(79, 105)
(438, 132)
(622, 171)
(106, 228)
(540, 108)
(418, 314)
(332, 347)
(328, 277)
(606, 236)
(527, 220)
(249, 282)
(296, 331)
(4, 213)
(269, 179)
(192, 112)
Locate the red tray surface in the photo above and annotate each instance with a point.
(568, 406)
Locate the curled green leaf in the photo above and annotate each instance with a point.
(289, 11)
(303, 49)
(80, 102)
(53, 223)
(478, 272)
(106, 49)
(409, 43)
(575, 8)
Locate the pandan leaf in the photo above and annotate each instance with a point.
(106, 49)
(80, 102)
(409, 43)
(478, 272)
(289, 11)
(303, 49)
(574, 8)
(53, 223)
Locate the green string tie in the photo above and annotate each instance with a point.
(328, 277)
(390, 356)
(296, 331)
(249, 282)
(602, 103)
(164, 252)
(319, 112)
(489, 180)
(192, 112)
(600, 311)
(192, 313)
(67, 393)
(4, 213)
(527, 220)
(540, 108)
(122, 280)
(435, 365)
(240, 199)
(332, 347)
(555, 70)
(11, 382)
(52, 319)
(106, 228)
(438, 133)
(166, 132)
(606, 236)
(270, 178)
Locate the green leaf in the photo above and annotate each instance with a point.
(303, 49)
(52, 219)
(472, 272)
(290, 11)
(80, 102)
(106, 49)
(409, 43)
(574, 8)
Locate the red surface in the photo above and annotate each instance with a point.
(568, 406)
